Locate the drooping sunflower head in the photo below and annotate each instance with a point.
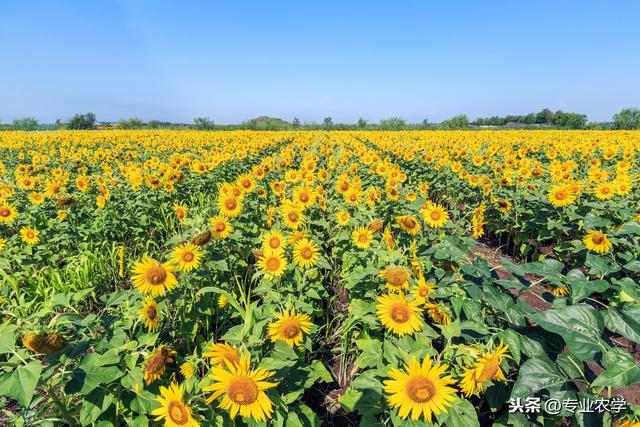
(397, 278)
(438, 314)
(399, 315)
(221, 354)
(273, 264)
(420, 389)
(289, 327)
(152, 277)
(156, 363)
(485, 368)
(149, 314)
(409, 223)
(597, 241)
(180, 212)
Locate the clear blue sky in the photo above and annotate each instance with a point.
(234, 60)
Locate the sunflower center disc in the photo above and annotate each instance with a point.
(178, 413)
(273, 264)
(400, 313)
(242, 390)
(306, 252)
(274, 242)
(290, 330)
(231, 204)
(5, 212)
(597, 239)
(409, 222)
(435, 215)
(420, 389)
(489, 370)
(156, 275)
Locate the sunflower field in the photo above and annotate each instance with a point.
(192, 278)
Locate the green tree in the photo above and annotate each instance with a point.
(627, 118)
(27, 123)
(296, 123)
(362, 123)
(394, 123)
(328, 122)
(82, 121)
(132, 123)
(456, 122)
(203, 123)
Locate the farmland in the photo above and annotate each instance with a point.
(187, 278)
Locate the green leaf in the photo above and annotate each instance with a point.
(632, 227)
(462, 414)
(616, 323)
(536, 374)
(88, 378)
(503, 302)
(579, 325)
(371, 352)
(8, 335)
(94, 404)
(624, 372)
(600, 266)
(21, 383)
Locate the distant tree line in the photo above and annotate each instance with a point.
(627, 118)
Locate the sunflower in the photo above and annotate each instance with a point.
(172, 408)
(397, 278)
(343, 217)
(29, 235)
(420, 389)
(243, 390)
(3, 244)
(186, 256)
(222, 353)
(220, 226)
(152, 277)
(303, 196)
(222, 301)
(180, 211)
(388, 238)
(36, 198)
(61, 215)
(157, 362)
(423, 290)
(503, 205)
(289, 327)
(597, 241)
(558, 291)
(297, 235)
(292, 215)
(362, 237)
(149, 314)
(45, 343)
(8, 213)
(560, 196)
(305, 253)
(485, 368)
(273, 264)
(399, 315)
(229, 205)
(435, 215)
(409, 224)
(605, 190)
(187, 369)
(274, 241)
(438, 314)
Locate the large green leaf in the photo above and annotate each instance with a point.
(536, 374)
(21, 383)
(371, 351)
(462, 414)
(622, 370)
(618, 324)
(579, 325)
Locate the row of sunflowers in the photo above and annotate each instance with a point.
(184, 278)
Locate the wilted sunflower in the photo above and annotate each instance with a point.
(152, 277)
(409, 224)
(305, 253)
(149, 314)
(274, 241)
(399, 315)
(397, 278)
(220, 227)
(435, 215)
(29, 235)
(273, 264)
(186, 256)
(420, 389)
(222, 353)
(44, 343)
(8, 213)
(597, 241)
(289, 327)
(485, 368)
(156, 363)
(243, 390)
(172, 408)
(362, 237)
(438, 314)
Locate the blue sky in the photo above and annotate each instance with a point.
(230, 61)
